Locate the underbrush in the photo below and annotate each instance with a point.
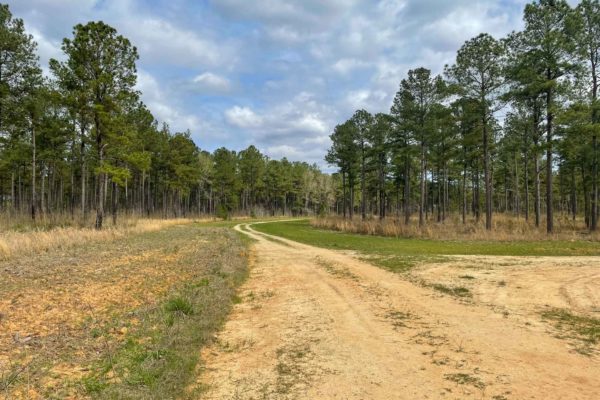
(505, 228)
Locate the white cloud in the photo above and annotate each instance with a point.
(301, 117)
(347, 65)
(243, 117)
(160, 41)
(367, 99)
(211, 83)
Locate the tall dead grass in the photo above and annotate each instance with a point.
(14, 243)
(505, 228)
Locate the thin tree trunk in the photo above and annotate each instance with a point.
(526, 179)
(537, 199)
(549, 187)
(406, 205)
(464, 194)
(594, 205)
(43, 192)
(487, 178)
(115, 202)
(101, 183)
(422, 199)
(344, 196)
(33, 175)
(517, 206)
(573, 195)
(363, 205)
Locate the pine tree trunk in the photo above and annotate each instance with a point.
(526, 182)
(352, 200)
(549, 132)
(101, 198)
(517, 200)
(115, 202)
(422, 199)
(537, 199)
(344, 196)
(363, 204)
(464, 194)
(33, 175)
(43, 191)
(487, 178)
(594, 205)
(406, 191)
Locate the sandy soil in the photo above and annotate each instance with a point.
(523, 285)
(318, 324)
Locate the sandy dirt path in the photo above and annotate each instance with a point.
(318, 324)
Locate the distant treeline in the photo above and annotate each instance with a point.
(81, 142)
(512, 127)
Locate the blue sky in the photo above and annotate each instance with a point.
(279, 74)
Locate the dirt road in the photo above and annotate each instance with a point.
(318, 324)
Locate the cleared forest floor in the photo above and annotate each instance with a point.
(119, 318)
(316, 323)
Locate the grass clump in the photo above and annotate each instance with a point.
(581, 328)
(457, 291)
(465, 379)
(179, 305)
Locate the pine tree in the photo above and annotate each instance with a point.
(101, 67)
(478, 74)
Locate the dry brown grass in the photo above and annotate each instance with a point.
(14, 243)
(505, 228)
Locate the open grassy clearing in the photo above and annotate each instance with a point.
(116, 319)
(400, 255)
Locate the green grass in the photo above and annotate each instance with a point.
(584, 329)
(303, 232)
(401, 255)
(452, 291)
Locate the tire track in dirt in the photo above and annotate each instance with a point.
(315, 323)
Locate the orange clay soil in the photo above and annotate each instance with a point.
(319, 324)
(51, 304)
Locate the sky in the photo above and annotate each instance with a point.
(279, 74)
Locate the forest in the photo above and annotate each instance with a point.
(81, 145)
(445, 246)
(510, 127)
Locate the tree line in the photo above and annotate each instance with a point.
(81, 142)
(511, 126)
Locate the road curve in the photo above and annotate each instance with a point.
(319, 324)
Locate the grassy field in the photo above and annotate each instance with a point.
(122, 319)
(400, 254)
